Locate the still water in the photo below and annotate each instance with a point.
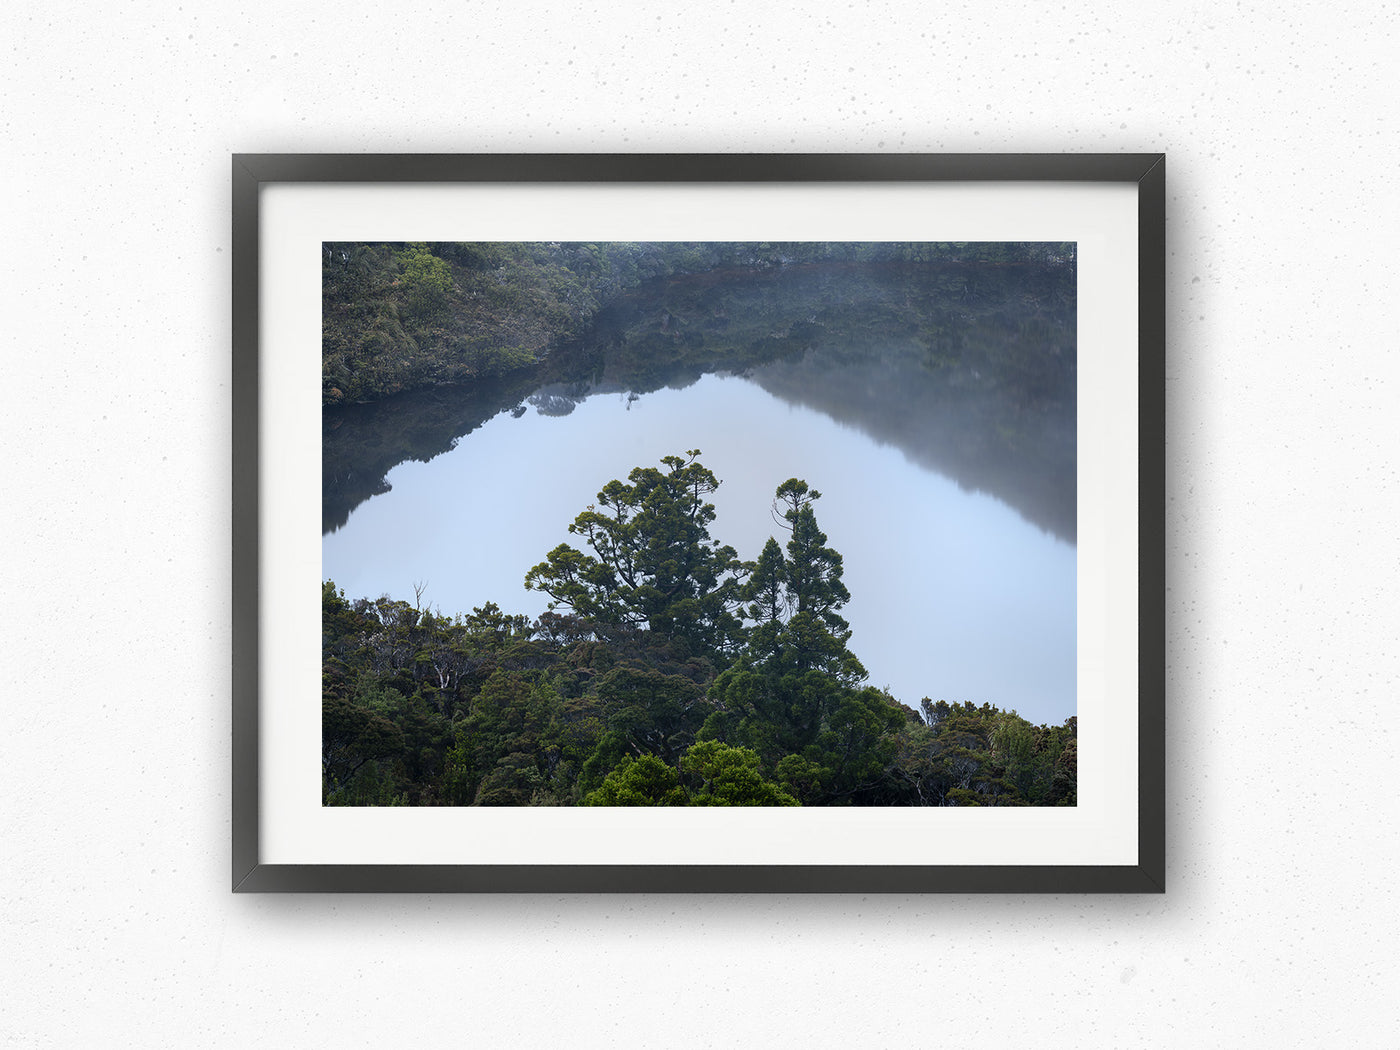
(954, 595)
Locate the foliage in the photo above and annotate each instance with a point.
(669, 672)
(643, 781)
(654, 564)
(730, 776)
(426, 280)
(399, 317)
(677, 676)
(967, 366)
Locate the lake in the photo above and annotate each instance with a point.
(940, 433)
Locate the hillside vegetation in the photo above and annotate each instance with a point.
(667, 673)
(407, 316)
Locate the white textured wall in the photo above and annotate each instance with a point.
(1280, 924)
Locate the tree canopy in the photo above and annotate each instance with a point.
(653, 564)
(667, 673)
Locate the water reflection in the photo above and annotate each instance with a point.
(941, 431)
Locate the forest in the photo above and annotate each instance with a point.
(963, 356)
(667, 672)
(399, 317)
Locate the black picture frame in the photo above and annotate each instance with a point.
(252, 172)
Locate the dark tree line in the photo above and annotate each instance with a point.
(398, 317)
(667, 672)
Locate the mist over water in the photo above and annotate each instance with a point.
(949, 495)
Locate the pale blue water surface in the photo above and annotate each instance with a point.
(954, 596)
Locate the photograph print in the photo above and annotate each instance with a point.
(699, 524)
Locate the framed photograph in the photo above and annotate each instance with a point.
(698, 523)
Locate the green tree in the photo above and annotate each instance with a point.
(352, 736)
(966, 755)
(653, 564)
(502, 749)
(729, 776)
(426, 280)
(792, 695)
(813, 569)
(643, 781)
(652, 711)
(765, 598)
(796, 667)
(816, 635)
